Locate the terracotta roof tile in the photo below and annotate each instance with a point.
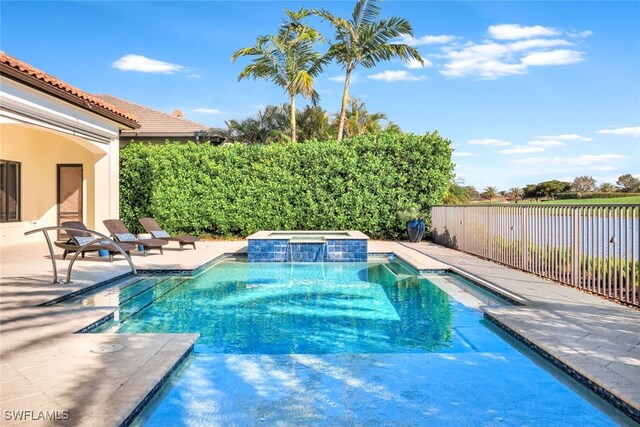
(54, 82)
(153, 122)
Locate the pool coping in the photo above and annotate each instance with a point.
(615, 400)
(327, 234)
(598, 388)
(156, 388)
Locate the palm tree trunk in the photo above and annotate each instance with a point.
(293, 118)
(345, 100)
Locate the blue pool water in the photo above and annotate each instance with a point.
(346, 344)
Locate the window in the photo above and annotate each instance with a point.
(9, 191)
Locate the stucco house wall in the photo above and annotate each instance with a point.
(41, 131)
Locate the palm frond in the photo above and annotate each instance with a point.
(365, 12)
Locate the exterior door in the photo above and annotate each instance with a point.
(69, 195)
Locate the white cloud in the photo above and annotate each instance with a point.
(581, 34)
(394, 76)
(628, 131)
(513, 50)
(489, 141)
(146, 65)
(516, 31)
(546, 143)
(207, 111)
(584, 160)
(464, 154)
(194, 76)
(553, 57)
(483, 67)
(415, 64)
(521, 149)
(523, 45)
(565, 137)
(413, 41)
(340, 79)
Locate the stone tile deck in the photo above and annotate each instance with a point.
(597, 338)
(416, 259)
(45, 366)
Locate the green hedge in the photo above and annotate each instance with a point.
(578, 195)
(361, 183)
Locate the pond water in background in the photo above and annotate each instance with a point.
(350, 344)
(598, 236)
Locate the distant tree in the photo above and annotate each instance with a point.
(366, 40)
(267, 126)
(551, 188)
(583, 184)
(392, 127)
(473, 193)
(288, 59)
(607, 188)
(456, 194)
(627, 183)
(272, 124)
(314, 123)
(531, 191)
(359, 121)
(515, 193)
(490, 193)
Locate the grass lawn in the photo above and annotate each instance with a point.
(604, 201)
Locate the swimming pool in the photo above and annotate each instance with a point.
(345, 344)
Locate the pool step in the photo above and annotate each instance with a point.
(116, 293)
(398, 270)
(145, 298)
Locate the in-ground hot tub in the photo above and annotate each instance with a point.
(308, 246)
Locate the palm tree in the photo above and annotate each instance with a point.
(515, 193)
(313, 123)
(490, 193)
(607, 188)
(268, 125)
(365, 40)
(457, 194)
(287, 59)
(360, 121)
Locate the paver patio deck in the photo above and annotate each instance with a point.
(45, 366)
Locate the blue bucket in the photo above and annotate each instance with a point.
(103, 252)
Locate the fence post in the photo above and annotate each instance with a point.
(575, 250)
(463, 229)
(524, 232)
(489, 253)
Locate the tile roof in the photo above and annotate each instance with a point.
(153, 122)
(53, 84)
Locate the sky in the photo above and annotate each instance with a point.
(526, 91)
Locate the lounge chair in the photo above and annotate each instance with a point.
(152, 226)
(121, 233)
(79, 238)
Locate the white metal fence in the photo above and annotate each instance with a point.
(593, 247)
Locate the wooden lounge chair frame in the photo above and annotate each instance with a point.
(115, 227)
(45, 232)
(72, 228)
(152, 226)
